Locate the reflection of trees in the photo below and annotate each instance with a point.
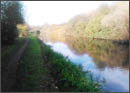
(104, 52)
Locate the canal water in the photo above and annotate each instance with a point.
(106, 60)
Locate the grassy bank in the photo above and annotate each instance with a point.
(68, 76)
(40, 65)
(30, 69)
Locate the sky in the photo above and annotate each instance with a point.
(56, 12)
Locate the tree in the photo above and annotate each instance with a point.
(11, 15)
(118, 18)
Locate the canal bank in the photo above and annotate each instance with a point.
(113, 71)
(43, 70)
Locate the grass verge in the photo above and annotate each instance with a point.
(30, 69)
(68, 76)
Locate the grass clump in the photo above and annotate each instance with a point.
(30, 69)
(68, 76)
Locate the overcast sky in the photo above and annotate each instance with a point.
(57, 12)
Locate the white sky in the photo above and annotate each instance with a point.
(56, 12)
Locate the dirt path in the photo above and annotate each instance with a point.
(9, 76)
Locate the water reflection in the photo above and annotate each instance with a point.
(115, 74)
(104, 52)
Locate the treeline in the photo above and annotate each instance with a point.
(106, 22)
(11, 15)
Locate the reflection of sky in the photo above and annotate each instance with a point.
(116, 78)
